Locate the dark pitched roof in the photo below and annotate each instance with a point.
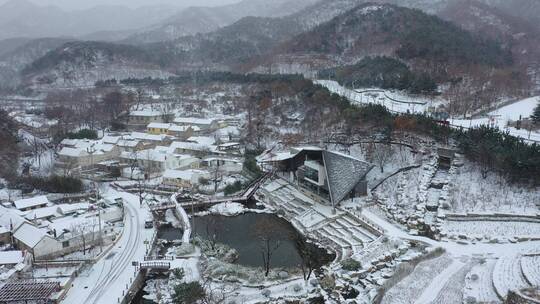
(343, 173)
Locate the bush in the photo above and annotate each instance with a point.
(231, 189)
(82, 134)
(204, 181)
(52, 184)
(117, 126)
(351, 265)
(188, 293)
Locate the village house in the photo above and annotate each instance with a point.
(205, 124)
(30, 238)
(184, 178)
(223, 164)
(28, 204)
(158, 128)
(151, 140)
(159, 159)
(85, 154)
(138, 120)
(183, 132)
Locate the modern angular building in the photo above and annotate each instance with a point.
(326, 176)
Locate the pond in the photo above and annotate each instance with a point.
(247, 232)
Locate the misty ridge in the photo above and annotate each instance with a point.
(151, 21)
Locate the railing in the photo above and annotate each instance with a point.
(155, 265)
(159, 258)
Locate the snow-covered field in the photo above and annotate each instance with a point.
(491, 229)
(490, 194)
(412, 287)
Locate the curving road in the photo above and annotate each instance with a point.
(107, 279)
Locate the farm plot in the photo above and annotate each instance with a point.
(530, 267)
(491, 229)
(479, 284)
(507, 275)
(452, 292)
(412, 286)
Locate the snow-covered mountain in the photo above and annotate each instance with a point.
(16, 55)
(196, 20)
(22, 18)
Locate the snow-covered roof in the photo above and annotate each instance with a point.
(149, 137)
(29, 234)
(191, 146)
(127, 143)
(344, 173)
(69, 223)
(156, 154)
(70, 208)
(231, 130)
(31, 202)
(10, 217)
(158, 125)
(146, 113)
(229, 144)
(203, 140)
(72, 152)
(182, 174)
(194, 121)
(11, 257)
(109, 139)
(42, 213)
(224, 159)
(176, 128)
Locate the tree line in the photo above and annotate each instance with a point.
(382, 72)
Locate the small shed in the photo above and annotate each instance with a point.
(446, 156)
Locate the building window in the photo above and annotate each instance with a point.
(312, 174)
(65, 244)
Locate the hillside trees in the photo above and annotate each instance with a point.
(536, 114)
(9, 150)
(382, 72)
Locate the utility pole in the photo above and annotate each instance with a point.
(91, 150)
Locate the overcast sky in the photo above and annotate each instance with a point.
(82, 4)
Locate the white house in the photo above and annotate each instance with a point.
(85, 153)
(31, 203)
(140, 119)
(204, 123)
(160, 159)
(183, 178)
(35, 240)
(223, 164)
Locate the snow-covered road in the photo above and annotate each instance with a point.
(106, 281)
(498, 118)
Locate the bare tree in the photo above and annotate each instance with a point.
(270, 238)
(381, 154)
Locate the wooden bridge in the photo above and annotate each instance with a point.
(209, 202)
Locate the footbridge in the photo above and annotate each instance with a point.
(199, 203)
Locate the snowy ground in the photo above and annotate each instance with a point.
(490, 194)
(500, 118)
(393, 100)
